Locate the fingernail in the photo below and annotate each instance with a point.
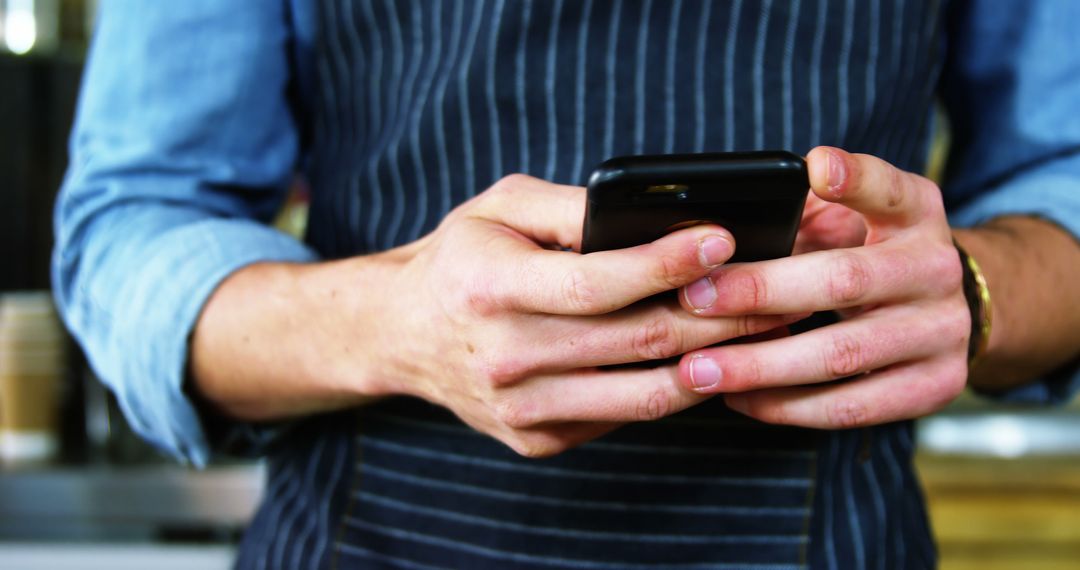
(713, 251)
(704, 372)
(701, 294)
(837, 173)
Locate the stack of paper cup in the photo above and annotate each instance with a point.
(32, 365)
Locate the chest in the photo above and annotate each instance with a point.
(413, 106)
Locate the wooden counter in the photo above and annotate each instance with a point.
(991, 513)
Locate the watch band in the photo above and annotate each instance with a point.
(978, 299)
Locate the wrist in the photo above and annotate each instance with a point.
(991, 252)
(1025, 261)
(280, 340)
(345, 324)
(980, 305)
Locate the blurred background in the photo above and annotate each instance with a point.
(78, 489)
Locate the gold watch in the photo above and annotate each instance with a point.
(978, 299)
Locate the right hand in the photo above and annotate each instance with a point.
(491, 318)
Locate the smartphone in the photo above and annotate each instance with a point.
(757, 196)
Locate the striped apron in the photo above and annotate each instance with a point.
(417, 105)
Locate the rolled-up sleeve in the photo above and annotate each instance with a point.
(1012, 91)
(182, 150)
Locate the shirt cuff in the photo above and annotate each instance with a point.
(157, 320)
(1051, 192)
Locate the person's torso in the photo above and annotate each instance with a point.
(412, 107)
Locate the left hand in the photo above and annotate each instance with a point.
(896, 275)
(827, 225)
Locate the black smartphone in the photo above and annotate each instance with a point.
(757, 196)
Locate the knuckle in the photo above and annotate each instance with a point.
(958, 378)
(658, 339)
(751, 288)
(948, 271)
(847, 414)
(958, 326)
(508, 186)
(848, 280)
(454, 216)
(894, 194)
(749, 374)
(953, 382)
(580, 293)
(502, 194)
(742, 371)
(495, 196)
(669, 273)
(513, 181)
(923, 184)
(768, 411)
(504, 371)
(746, 325)
(478, 297)
(535, 447)
(513, 414)
(844, 357)
(534, 451)
(931, 203)
(658, 404)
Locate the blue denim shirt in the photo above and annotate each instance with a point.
(192, 120)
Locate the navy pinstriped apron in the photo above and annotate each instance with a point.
(417, 105)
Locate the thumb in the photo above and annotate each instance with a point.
(547, 213)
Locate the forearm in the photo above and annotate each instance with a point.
(268, 344)
(1031, 268)
(481, 317)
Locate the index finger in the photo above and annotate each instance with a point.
(548, 213)
(568, 283)
(625, 395)
(824, 280)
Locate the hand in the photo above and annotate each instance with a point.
(492, 319)
(828, 225)
(906, 345)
